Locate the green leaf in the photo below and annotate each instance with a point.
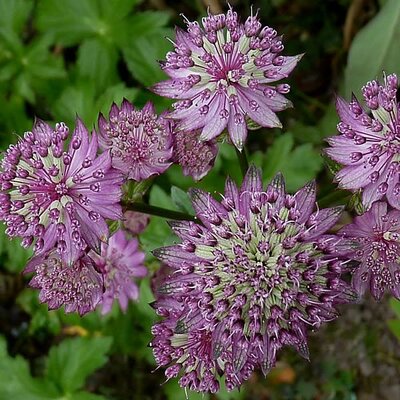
(277, 155)
(116, 10)
(395, 306)
(158, 233)
(382, 34)
(181, 200)
(298, 165)
(97, 60)
(85, 396)
(15, 256)
(70, 21)
(394, 326)
(147, 22)
(81, 100)
(141, 58)
(17, 382)
(71, 362)
(13, 14)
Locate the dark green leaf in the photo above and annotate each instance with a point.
(395, 306)
(16, 382)
(97, 61)
(298, 165)
(70, 21)
(382, 34)
(142, 56)
(71, 362)
(181, 200)
(13, 14)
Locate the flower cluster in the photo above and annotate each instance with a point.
(250, 278)
(369, 148)
(140, 142)
(373, 239)
(223, 73)
(196, 157)
(57, 197)
(369, 145)
(119, 262)
(252, 273)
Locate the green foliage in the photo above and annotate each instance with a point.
(375, 49)
(394, 324)
(13, 255)
(298, 164)
(181, 200)
(68, 365)
(73, 360)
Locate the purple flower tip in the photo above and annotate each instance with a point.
(251, 277)
(135, 222)
(369, 145)
(77, 287)
(139, 140)
(373, 240)
(119, 262)
(221, 73)
(58, 196)
(195, 156)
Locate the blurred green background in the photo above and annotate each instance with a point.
(62, 58)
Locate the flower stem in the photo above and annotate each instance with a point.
(242, 157)
(158, 211)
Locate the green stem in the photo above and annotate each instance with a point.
(242, 157)
(158, 211)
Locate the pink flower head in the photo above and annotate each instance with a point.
(250, 278)
(369, 146)
(140, 141)
(119, 262)
(59, 198)
(223, 73)
(77, 287)
(135, 222)
(373, 240)
(196, 157)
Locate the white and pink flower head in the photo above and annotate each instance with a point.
(222, 73)
(59, 195)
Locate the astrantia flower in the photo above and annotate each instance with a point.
(373, 239)
(140, 141)
(369, 146)
(57, 197)
(77, 287)
(195, 156)
(119, 262)
(248, 280)
(221, 74)
(135, 222)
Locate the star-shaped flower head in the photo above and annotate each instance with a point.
(196, 157)
(223, 73)
(140, 141)
(119, 262)
(369, 145)
(54, 195)
(77, 287)
(249, 278)
(373, 240)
